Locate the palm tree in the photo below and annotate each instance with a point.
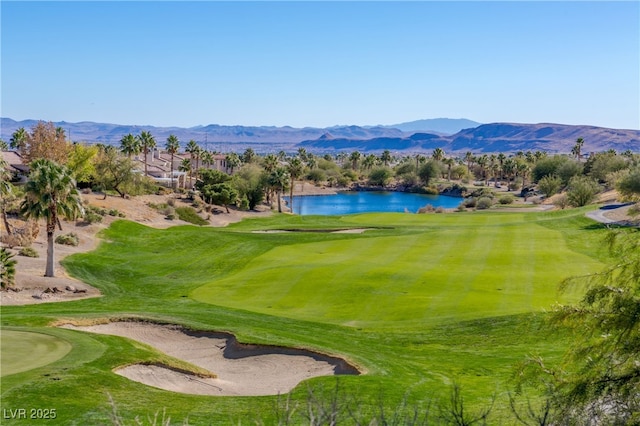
(194, 150)
(172, 147)
(369, 161)
(483, 161)
(295, 169)
(185, 167)
(509, 167)
(7, 268)
(207, 158)
(51, 193)
(385, 157)
(449, 162)
(469, 158)
(279, 180)
(270, 163)
(355, 158)
(233, 160)
(19, 139)
(147, 142)
(5, 192)
(438, 154)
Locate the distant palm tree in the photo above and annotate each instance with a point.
(355, 158)
(50, 193)
(185, 167)
(194, 150)
(385, 157)
(469, 158)
(270, 163)
(279, 180)
(438, 154)
(172, 147)
(295, 169)
(369, 161)
(449, 162)
(19, 139)
(147, 143)
(233, 161)
(207, 158)
(483, 161)
(129, 145)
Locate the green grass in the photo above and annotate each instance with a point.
(24, 351)
(417, 301)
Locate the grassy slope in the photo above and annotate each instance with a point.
(470, 280)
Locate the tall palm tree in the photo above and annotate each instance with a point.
(172, 147)
(147, 143)
(207, 158)
(295, 169)
(449, 162)
(469, 159)
(233, 160)
(19, 139)
(185, 167)
(51, 193)
(5, 192)
(279, 180)
(483, 161)
(129, 145)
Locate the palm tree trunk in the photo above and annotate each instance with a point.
(293, 182)
(6, 222)
(278, 194)
(49, 271)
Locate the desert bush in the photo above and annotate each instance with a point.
(484, 203)
(86, 191)
(582, 190)
(28, 252)
(461, 207)
(92, 217)
(561, 201)
(170, 216)
(70, 239)
(430, 190)
(549, 185)
(440, 209)
(426, 209)
(506, 199)
(189, 214)
(171, 202)
(470, 202)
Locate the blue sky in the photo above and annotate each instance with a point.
(321, 63)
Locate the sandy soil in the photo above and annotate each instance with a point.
(246, 370)
(31, 285)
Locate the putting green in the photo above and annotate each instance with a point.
(23, 350)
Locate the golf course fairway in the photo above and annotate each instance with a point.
(415, 302)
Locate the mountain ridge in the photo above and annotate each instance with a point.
(491, 137)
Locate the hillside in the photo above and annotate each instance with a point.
(495, 137)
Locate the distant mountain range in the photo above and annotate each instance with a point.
(452, 135)
(495, 137)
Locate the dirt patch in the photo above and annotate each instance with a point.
(32, 287)
(241, 370)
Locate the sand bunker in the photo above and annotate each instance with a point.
(241, 370)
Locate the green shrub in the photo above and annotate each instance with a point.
(484, 203)
(70, 239)
(506, 199)
(91, 217)
(188, 214)
(28, 252)
(582, 190)
(470, 202)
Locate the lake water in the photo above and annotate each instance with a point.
(349, 202)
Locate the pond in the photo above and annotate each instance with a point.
(349, 202)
